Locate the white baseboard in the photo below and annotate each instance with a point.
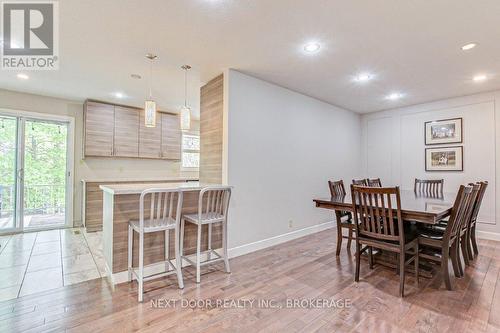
(262, 244)
(121, 277)
(488, 235)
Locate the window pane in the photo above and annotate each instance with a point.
(190, 142)
(190, 160)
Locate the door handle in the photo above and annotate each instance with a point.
(20, 174)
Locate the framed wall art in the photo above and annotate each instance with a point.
(443, 131)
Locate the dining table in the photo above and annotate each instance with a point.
(416, 207)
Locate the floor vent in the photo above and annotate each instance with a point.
(76, 232)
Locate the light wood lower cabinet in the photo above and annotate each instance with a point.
(126, 142)
(119, 131)
(98, 119)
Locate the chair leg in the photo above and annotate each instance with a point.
(167, 250)
(358, 261)
(417, 251)
(454, 259)
(339, 232)
(130, 251)
(473, 239)
(349, 240)
(141, 267)
(463, 246)
(182, 238)
(401, 274)
(470, 252)
(444, 269)
(370, 257)
(198, 255)
(459, 261)
(224, 245)
(178, 258)
(209, 242)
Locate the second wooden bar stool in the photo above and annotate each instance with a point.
(213, 205)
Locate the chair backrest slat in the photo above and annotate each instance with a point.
(374, 182)
(429, 187)
(214, 201)
(161, 206)
(458, 213)
(337, 188)
(360, 182)
(479, 200)
(374, 212)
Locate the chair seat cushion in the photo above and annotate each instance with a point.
(153, 225)
(205, 218)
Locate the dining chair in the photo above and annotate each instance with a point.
(429, 187)
(344, 218)
(438, 246)
(378, 224)
(374, 182)
(161, 218)
(466, 225)
(475, 212)
(213, 205)
(360, 182)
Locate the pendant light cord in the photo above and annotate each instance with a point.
(151, 80)
(185, 87)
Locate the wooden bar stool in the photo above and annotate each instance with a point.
(213, 205)
(161, 218)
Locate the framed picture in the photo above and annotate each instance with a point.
(443, 131)
(444, 159)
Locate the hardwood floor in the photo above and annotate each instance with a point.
(306, 268)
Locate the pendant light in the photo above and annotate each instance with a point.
(150, 105)
(185, 110)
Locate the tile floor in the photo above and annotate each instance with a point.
(44, 260)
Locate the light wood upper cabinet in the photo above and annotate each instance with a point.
(126, 132)
(119, 131)
(99, 120)
(171, 138)
(149, 138)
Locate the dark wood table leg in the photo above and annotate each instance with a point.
(339, 231)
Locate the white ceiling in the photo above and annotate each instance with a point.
(411, 46)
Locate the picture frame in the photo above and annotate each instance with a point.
(444, 158)
(444, 131)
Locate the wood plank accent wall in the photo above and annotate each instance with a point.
(211, 130)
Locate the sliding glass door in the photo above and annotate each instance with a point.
(35, 175)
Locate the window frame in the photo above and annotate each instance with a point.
(196, 151)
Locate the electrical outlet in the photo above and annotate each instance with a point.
(290, 224)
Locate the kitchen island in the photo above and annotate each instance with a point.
(121, 204)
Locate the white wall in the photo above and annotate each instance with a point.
(393, 148)
(282, 148)
(91, 168)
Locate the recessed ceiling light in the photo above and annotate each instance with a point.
(136, 76)
(312, 47)
(119, 95)
(469, 46)
(22, 76)
(394, 96)
(363, 77)
(479, 78)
